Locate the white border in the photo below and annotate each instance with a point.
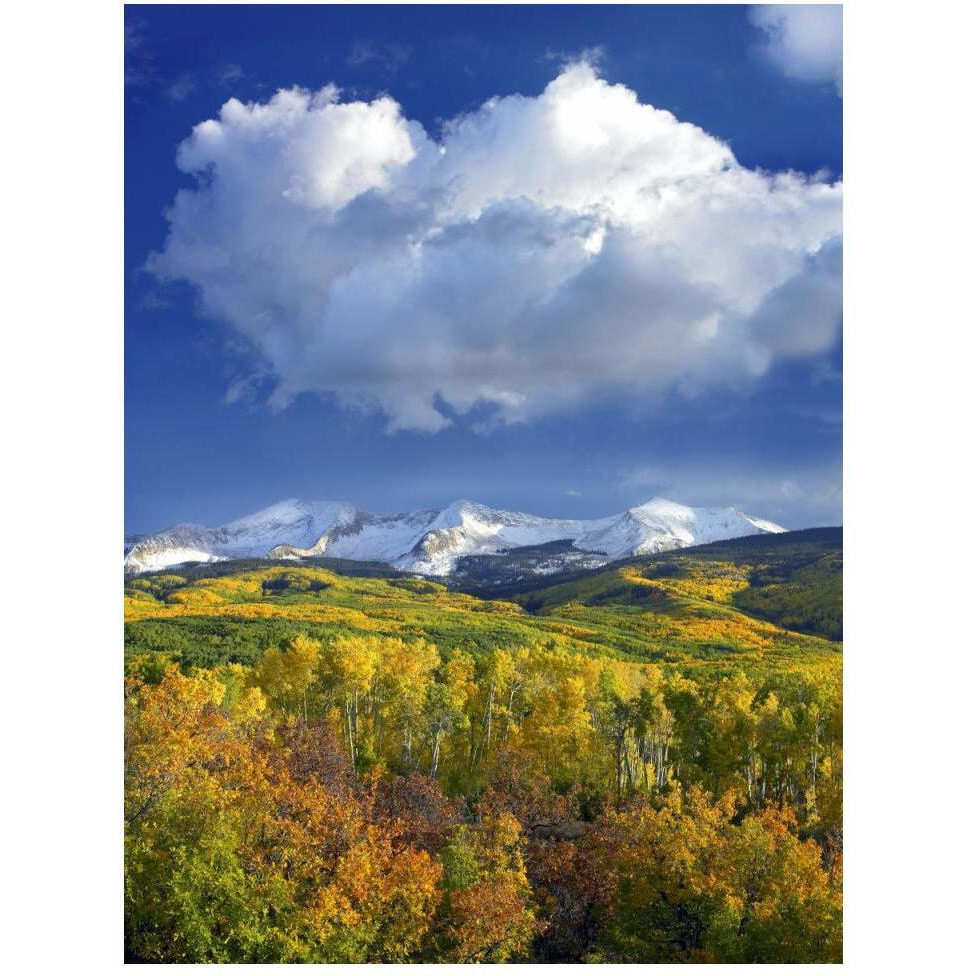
(908, 444)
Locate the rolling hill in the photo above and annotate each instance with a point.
(756, 604)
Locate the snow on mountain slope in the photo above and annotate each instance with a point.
(431, 542)
(291, 522)
(659, 525)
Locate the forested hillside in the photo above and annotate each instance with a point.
(638, 764)
(794, 580)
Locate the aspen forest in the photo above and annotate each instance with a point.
(370, 769)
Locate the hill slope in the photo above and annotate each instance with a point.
(794, 579)
(690, 608)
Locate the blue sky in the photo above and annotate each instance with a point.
(285, 336)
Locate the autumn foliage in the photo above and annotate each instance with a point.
(382, 799)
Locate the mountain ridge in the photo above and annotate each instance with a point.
(431, 541)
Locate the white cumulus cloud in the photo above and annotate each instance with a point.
(545, 250)
(804, 41)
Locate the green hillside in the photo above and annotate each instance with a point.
(758, 604)
(794, 580)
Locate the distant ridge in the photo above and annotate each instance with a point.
(431, 542)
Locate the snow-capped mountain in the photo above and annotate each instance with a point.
(431, 542)
(297, 522)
